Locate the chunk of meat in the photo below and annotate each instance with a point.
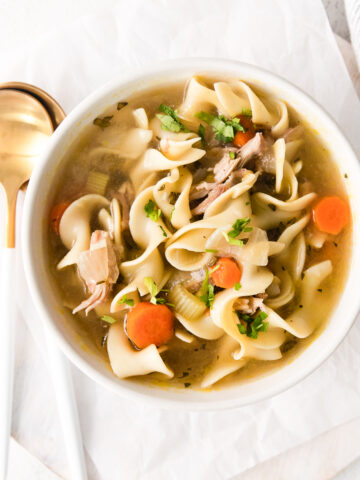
(253, 148)
(248, 305)
(98, 268)
(213, 195)
(225, 166)
(99, 295)
(201, 190)
(126, 196)
(98, 264)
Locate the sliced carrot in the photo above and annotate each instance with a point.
(243, 137)
(331, 214)
(56, 214)
(148, 324)
(225, 273)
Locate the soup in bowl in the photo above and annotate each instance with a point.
(196, 229)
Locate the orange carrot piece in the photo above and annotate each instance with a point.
(331, 214)
(148, 324)
(243, 137)
(225, 273)
(56, 214)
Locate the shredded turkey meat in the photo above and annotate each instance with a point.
(226, 166)
(126, 196)
(98, 268)
(248, 305)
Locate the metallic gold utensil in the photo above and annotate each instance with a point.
(28, 116)
(25, 127)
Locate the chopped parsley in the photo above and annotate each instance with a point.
(121, 105)
(153, 290)
(237, 286)
(169, 119)
(207, 291)
(246, 112)
(210, 250)
(215, 268)
(253, 325)
(128, 301)
(103, 122)
(224, 128)
(163, 231)
(171, 214)
(108, 319)
(232, 155)
(152, 211)
(238, 227)
(201, 133)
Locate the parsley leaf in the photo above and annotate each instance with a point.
(153, 289)
(128, 301)
(171, 214)
(246, 112)
(232, 155)
(169, 119)
(253, 325)
(207, 291)
(108, 319)
(237, 286)
(163, 231)
(201, 133)
(233, 241)
(121, 105)
(152, 211)
(103, 122)
(240, 226)
(224, 128)
(211, 250)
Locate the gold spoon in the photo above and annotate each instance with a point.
(28, 116)
(25, 127)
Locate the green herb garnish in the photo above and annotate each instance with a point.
(214, 269)
(153, 290)
(127, 301)
(108, 319)
(239, 226)
(210, 250)
(233, 241)
(232, 155)
(224, 128)
(237, 286)
(152, 211)
(207, 291)
(163, 231)
(169, 119)
(253, 325)
(246, 112)
(201, 133)
(171, 214)
(121, 105)
(103, 122)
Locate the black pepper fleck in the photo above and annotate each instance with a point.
(187, 384)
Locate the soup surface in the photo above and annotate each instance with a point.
(199, 234)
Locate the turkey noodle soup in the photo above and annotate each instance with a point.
(199, 234)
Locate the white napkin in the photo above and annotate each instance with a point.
(132, 440)
(353, 18)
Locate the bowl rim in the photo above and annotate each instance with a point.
(36, 288)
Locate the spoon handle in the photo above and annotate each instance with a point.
(67, 408)
(7, 302)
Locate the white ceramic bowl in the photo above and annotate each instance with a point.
(35, 224)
